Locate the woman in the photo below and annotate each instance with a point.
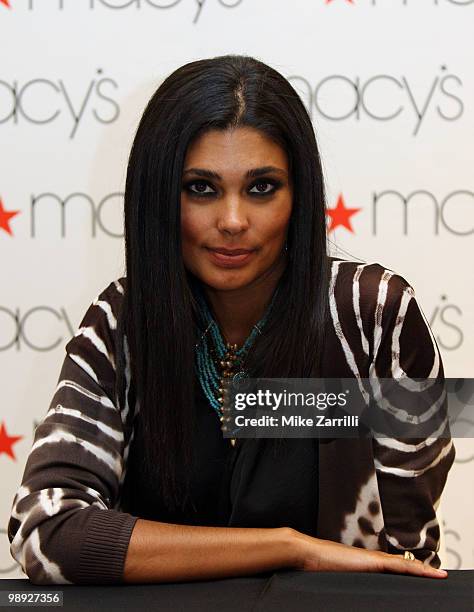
(129, 477)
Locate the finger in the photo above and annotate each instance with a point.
(398, 564)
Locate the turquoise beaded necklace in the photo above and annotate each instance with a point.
(216, 360)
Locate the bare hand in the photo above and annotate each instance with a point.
(316, 555)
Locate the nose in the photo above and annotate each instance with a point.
(232, 215)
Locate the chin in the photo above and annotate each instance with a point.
(226, 281)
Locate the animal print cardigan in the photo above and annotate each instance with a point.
(66, 524)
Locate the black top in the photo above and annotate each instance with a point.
(262, 482)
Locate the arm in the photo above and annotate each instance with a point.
(411, 472)
(63, 526)
(162, 552)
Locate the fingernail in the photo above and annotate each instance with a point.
(442, 571)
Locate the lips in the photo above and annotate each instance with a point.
(231, 251)
(230, 258)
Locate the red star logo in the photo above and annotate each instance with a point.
(340, 215)
(6, 442)
(5, 216)
(6, 3)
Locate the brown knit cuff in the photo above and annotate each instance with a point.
(103, 552)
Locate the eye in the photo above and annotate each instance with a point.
(265, 187)
(199, 188)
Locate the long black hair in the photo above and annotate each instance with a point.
(158, 313)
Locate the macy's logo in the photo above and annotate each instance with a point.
(41, 101)
(453, 213)
(383, 98)
(135, 4)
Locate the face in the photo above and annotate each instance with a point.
(236, 203)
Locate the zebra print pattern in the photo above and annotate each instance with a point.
(66, 524)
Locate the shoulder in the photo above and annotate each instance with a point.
(96, 333)
(368, 302)
(110, 299)
(366, 284)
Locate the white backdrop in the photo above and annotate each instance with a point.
(390, 88)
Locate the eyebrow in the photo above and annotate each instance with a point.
(252, 173)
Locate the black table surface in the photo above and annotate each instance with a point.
(291, 590)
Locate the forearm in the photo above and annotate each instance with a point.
(164, 552)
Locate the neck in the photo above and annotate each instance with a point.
(236, 311)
